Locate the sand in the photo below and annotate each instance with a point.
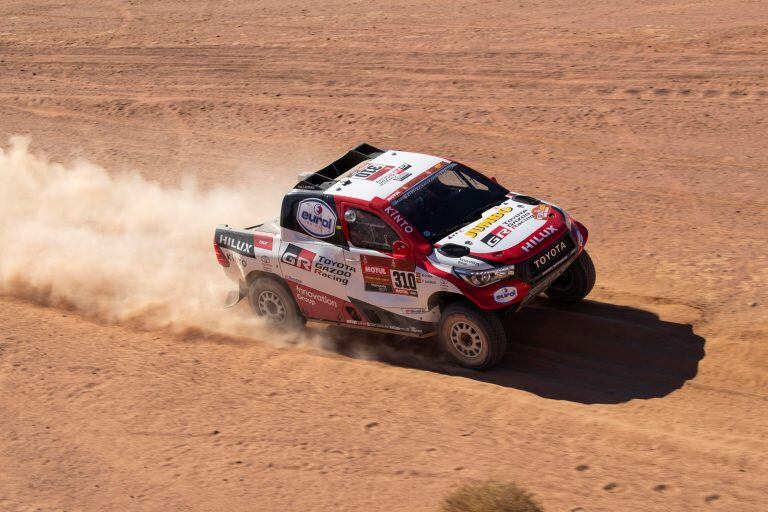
(647, 120)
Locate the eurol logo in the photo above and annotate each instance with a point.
(317, 218)
(505, 294)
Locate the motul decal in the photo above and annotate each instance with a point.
(298, 257)
(538, 238)
(264, 242)
(389, 275)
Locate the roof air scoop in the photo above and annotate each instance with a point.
(526, 199)
(454, 250)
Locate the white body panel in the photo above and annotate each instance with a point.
(349, 276)
(384, 175)
(501, 227)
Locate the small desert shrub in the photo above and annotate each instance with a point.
(489, 496)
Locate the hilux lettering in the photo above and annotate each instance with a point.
(237, 244)
(538, 238)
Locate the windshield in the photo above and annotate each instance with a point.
(448, 200)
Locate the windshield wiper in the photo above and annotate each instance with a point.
(450, 229)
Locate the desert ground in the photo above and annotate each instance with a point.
(647, 120)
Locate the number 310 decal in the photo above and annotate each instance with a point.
(386, 275)
(404, 280)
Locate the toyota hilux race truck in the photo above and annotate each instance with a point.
(411, 244)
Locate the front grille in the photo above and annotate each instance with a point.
(548, 258)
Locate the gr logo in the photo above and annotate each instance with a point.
(298, 257)
(496, 236)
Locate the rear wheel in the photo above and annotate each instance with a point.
(576, 282)
(473, 338)
(272, 301)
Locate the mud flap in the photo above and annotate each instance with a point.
(234, 297)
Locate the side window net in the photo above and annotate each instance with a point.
(370, 232)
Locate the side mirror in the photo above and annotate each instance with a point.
(401, 251)
(493, 179)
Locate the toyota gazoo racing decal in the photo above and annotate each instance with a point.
(388, 275)
(317, 218)
(317, 264)
(333, 270)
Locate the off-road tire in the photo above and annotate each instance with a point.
(576, 282)
(271, 300)
(473, 338)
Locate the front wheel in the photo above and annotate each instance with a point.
(272, 301)
(576, 282)
(473, 338)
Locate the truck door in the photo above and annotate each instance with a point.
(385, 287)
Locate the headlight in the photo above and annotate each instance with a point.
(481, 278)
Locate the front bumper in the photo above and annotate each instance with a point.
(532, 276)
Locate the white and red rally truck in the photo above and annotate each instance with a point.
(407, 243)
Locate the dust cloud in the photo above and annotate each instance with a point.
(118, 247)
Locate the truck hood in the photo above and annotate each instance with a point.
(510, 232)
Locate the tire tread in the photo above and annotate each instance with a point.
(497, 338)
(584, 280)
